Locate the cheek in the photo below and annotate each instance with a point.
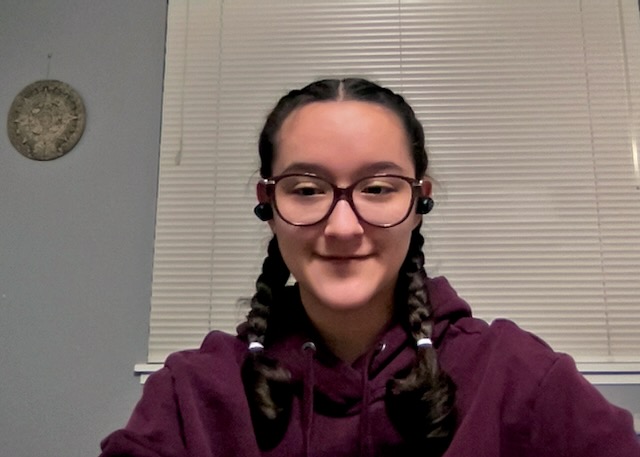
(286, 233)
(292, 241)
(287, 247)
(398, 242)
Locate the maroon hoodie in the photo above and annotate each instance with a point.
(515, 397)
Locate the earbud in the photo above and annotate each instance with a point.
(263, 211)
(424, 205)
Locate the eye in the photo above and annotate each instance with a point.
(303, 186)
(377, 187)
(306, 190)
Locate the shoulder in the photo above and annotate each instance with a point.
(498, 369)
(215, 344)
(469, 347)
(508, 351)
(511, 379)
(511, 345)
(210, 375)
(218, 360)
(195, 401)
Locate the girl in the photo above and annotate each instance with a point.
(364, 356)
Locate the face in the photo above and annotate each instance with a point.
(342, 263)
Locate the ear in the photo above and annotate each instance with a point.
(264, 201)
(425, 192)
(261, 193)
(426, 188)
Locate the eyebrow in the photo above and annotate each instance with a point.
(321, 170)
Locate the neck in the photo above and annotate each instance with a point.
(350, 333)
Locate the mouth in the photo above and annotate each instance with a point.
(344, 258)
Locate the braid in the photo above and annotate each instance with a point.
(422, 401)
(270, 282)
(265, 382)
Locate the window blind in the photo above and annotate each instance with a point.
(531, 116)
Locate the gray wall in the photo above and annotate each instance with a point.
(76, 234)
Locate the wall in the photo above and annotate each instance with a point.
(76, 234)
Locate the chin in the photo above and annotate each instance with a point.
(344, 303)
(350, 296)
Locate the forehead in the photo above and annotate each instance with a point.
(342, 136)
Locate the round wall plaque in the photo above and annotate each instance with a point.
(46, 120)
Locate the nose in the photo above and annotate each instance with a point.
(343, 221)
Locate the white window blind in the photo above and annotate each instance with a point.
(531, 115)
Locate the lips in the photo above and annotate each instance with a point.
(343, 258)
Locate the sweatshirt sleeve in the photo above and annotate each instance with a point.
(571, 418)
(154, 429)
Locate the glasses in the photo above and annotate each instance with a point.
(306, 199)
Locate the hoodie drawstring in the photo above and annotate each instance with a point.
(365, 438)
(309, 349)
(365, 425)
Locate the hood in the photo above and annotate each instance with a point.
(447, 306)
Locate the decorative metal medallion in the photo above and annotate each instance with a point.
(46, 120)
